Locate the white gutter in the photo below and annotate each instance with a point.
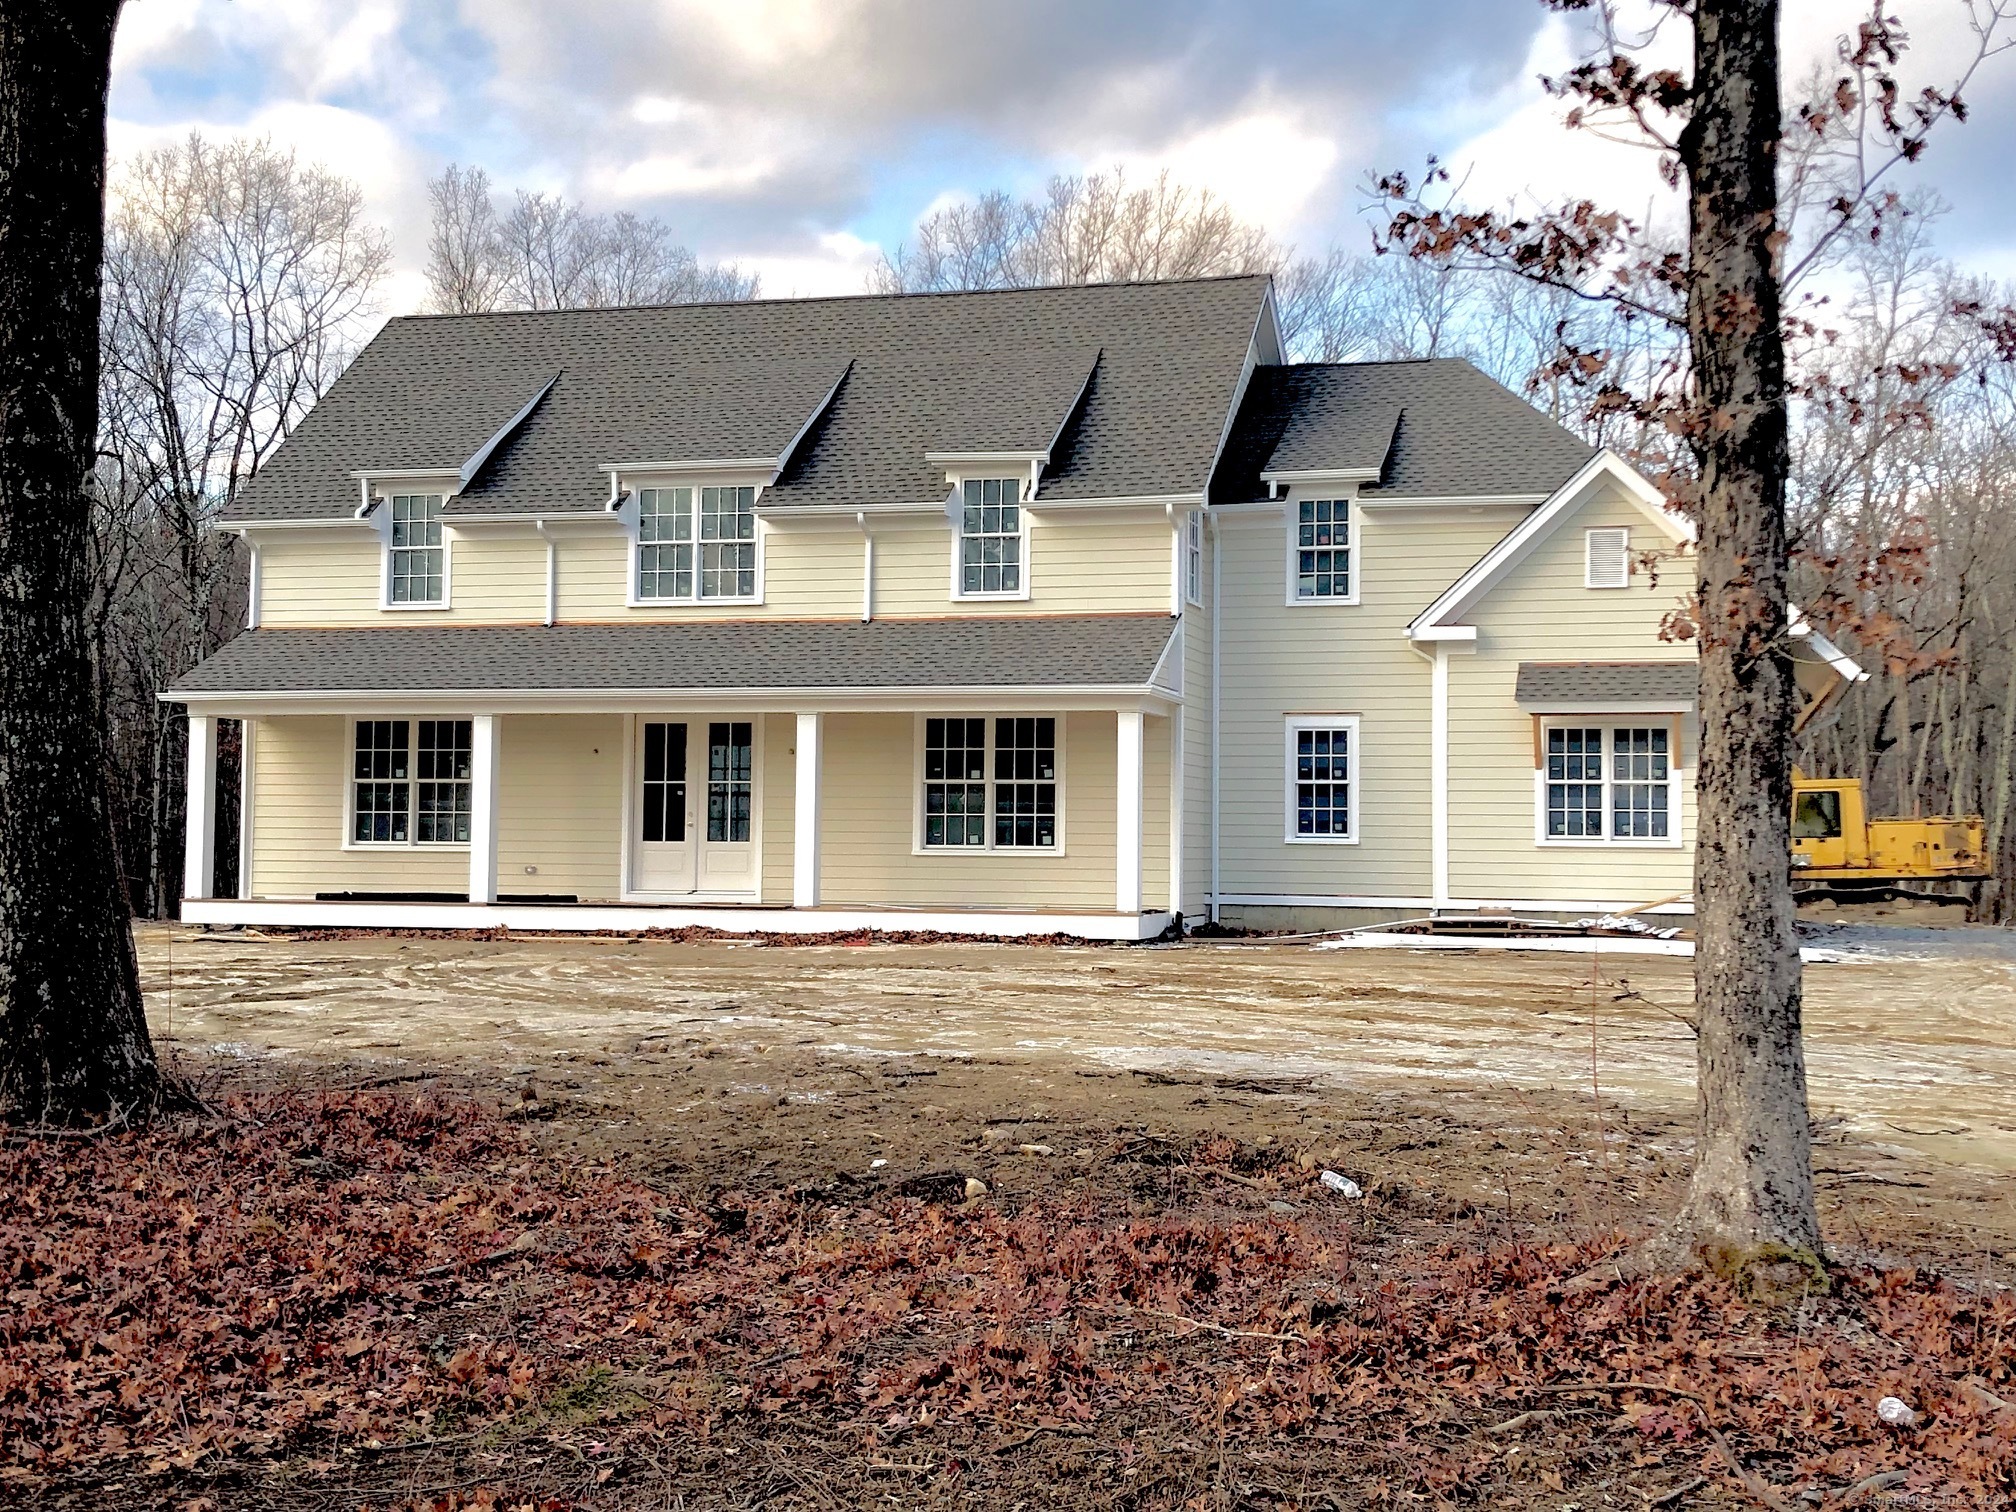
(1217, 676)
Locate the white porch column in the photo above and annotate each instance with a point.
(1127, 821)
(199, 810)
(805, 829)
(483, 767)
(248, 767)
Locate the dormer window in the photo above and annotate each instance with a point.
(696, 543)
(416, 565)
(990, 538)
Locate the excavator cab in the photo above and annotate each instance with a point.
(1829, 826)
(1835, 841)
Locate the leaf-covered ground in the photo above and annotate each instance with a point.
(389, 1300)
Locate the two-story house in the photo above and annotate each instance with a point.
(1043, 611)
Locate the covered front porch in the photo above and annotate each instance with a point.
(1011, 812)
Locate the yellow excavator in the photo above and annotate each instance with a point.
(1839, 852)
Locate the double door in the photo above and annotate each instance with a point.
(694, 825)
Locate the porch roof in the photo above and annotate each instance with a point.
(1007, 652)
(1619, 683)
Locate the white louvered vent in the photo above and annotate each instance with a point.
(1607, 563)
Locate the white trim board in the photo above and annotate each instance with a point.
(1450, 905)
(624, 919)
(1592, 945)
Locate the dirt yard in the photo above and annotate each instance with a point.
(1475, 1074)
(598, 1224)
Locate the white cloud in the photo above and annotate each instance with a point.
(840, 264)
(1266, 165)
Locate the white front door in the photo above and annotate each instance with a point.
(695, 806)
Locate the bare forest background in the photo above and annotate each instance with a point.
(239, 281)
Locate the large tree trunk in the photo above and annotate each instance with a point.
(1752, 1190)
(73, 1038)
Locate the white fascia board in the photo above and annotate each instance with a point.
(784, 457)
(405, 474)
(482, 453)
(1259, 508)
(597, 520)
(1323, 475)
(1607, 706)
(350, 521)
(1264, 323)
(1520, 542)
(845, 513)
(1173, 650)
(1802, 629)
(695, 465)
(1449, 501)
(1136, 501)
(971, 459)
(648, 700)
(1465, 633)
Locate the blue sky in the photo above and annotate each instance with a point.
(799, 136)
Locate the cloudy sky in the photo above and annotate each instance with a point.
(799, 136)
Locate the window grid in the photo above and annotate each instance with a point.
(690, 553)
(1193, 557)
(412, 783)
(664, 804)
(990, 536)
(990, 783)
(1323, 782)
(730, 774)
(1323, 549)
(417, 566)
(1611, 783)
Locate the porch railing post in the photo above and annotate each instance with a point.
(1127, 824)
(483, 767)
(199, 811)
(805, 829)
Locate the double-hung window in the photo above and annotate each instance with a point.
(696, 543)
(990, 538)
(1608, 782)
(1321, 560)
(990, 784)
(416, 565)
(410, 782)
(1323, 760)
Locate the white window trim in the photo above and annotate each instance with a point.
(917, 845)
(382, 518)
(1589, 555)
(627, 516)
(349, 843)
(1293, 725)
(1193, 551)
(1291, 535)
(956, 520)
(1675, 785)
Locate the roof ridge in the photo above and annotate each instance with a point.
(800, 299)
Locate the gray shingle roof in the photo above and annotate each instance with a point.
(1022, 651)
(1602, 682)
(929, 372)
(1459, 432)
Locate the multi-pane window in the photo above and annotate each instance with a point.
(1320, 776)
(990, 536)
(1193, 557)
(991, 783)
(664, 782)
(730, 774)
(1609, 782)
(1323, 549)
(415, 573)
(411, 782)
(696, 543)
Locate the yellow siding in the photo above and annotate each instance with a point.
(1282, 659)
(868, 812)
(1155, 736)
(300, 768)
(1084, 563)
(777, 793)
(560, 804)
(1543, 613)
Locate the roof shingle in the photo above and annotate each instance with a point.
(1608, 682)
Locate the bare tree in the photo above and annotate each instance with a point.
(1728, 395)
(73, 1033)
(237, 284)
(547, 252)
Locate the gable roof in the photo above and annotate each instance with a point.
(978, 651)
(994, 371)
(1431, 429)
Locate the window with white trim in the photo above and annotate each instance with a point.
(1608, 782)
(990, 783)
(1322, 549)
(1323, 779)
(411, 782)
(990, 537)
(1193, 557)
(416, 569)
(1606, 558)
(696, 543)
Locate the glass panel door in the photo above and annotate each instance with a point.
(727, 854)
(664, 849)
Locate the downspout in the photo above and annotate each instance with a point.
(1438, 778)
(867, 567)
(552, 571)
(254, 581)
(1217, 578)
